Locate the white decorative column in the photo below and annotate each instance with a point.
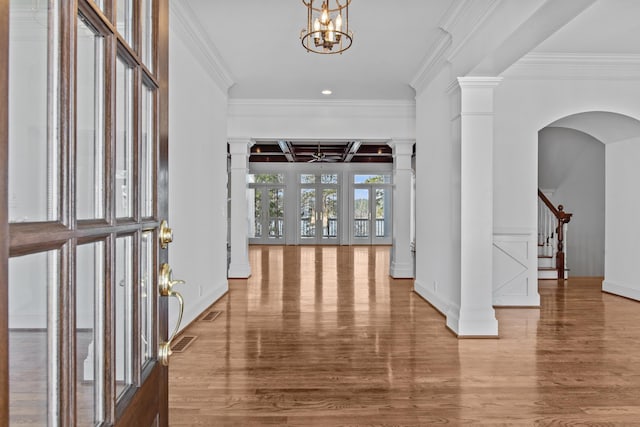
(476, 316)
(239, 237)
(401, 257)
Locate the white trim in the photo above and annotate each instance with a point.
(303, 107)
(439, 302)
(204, 302)
(626, 290)
(444, 49)
(189, 28)
(575, 66)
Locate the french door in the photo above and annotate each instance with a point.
(319, 209)
(267, 204)
(83, 186)
(371, 214)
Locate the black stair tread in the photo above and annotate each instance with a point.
(545, 256)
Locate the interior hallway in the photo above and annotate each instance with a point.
(323, 336)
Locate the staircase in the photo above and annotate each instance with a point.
(552, 232)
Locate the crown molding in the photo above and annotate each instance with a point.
(188, 26)
(575, 66)
(461, 21)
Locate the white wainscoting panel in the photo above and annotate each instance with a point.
(515, 272)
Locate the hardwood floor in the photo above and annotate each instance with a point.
(321, 336)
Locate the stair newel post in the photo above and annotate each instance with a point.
(563, 218)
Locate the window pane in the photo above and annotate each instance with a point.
(124, 313)
(147, 162)
(90, 148)
(124, 140)
(33, 97)
(124, 16)
(146, 8)
(329, 178)
(266, 178)
(147, 297)
(33, 284)
(366, 179)
(89, 302)
(307, 178)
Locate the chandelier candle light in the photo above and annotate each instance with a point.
(327, 29)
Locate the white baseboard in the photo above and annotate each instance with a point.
(239, 271)
(437, 301)
(203, 303)
(626, 290)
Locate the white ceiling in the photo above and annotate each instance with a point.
(607, 27)
(258, 43)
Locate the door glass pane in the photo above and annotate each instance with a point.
(147, 162)
(90, 148)
(276, 213)
(308, 213)
(124, 140)
(100, 4)
(361, 212)
(33, 284)
(33, 97)
(255, 206)
(147, 296)
(124, 313)
(146, 44)
(381, 219)
(124, 19)
(89, 302)
(329, 213)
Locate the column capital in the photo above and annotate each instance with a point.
(479, 82)
(401, 146)
(240, 145)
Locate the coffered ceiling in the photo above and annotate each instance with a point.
(332, 151)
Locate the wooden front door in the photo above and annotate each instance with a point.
(83, 191)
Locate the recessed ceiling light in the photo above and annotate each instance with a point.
(326, 92)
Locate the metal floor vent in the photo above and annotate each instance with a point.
(181, 345)
(211, 316)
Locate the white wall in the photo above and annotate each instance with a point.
(523, 107)
(302, 119)
(622, 269)
(197, 179)
(580, 188)
(437, 198)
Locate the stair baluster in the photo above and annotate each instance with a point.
(553, 223)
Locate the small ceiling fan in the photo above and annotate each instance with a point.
(319, 156)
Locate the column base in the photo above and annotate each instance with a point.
(401, 270)
(239, 271)
(473, 323)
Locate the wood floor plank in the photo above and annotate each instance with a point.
(322, 336)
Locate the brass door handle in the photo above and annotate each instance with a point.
(165, 284)
(165, 234)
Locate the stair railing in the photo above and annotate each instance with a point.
(551, 230)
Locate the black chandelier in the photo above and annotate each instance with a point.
(327, 29)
